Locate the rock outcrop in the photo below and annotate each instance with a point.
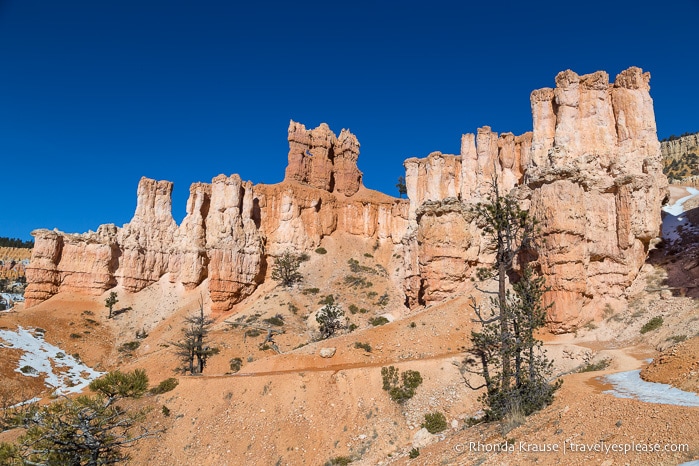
(231, 231)
(590, 171)
(323, 161)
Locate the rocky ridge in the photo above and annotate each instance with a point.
(590, 170)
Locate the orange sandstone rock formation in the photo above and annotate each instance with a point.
(590, 171)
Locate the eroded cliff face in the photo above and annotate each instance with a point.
(232, 229)
(590, 171)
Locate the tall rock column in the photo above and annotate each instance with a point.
(234, 244)
(148, 240)
(596, 187)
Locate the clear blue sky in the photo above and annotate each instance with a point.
(95, 94)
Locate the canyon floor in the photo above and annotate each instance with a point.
(298, 408)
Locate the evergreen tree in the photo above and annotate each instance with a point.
(505, 352)
(194, 349)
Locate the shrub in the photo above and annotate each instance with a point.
(376, 321)
(331, 319)
(236, 364)
(253, 332)
(293, 308)
(366, 254)
(365, 346)
(652, 324)
(129, 346)
(414, 453)
(321, 251)
(400, 392)
(308, 291)
(357, 282)
(383, 300)
(75, 336)
(594, 367)
(277, 320)
(166, 411)
(339, 461)
(28, 370)
(329, 299)
(165, 386)
(435, 422)
(353, 308)
(678, 338)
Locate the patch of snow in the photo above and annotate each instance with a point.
(674, 221)
(72, 377)
(630, 385)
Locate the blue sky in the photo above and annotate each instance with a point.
(96, 94)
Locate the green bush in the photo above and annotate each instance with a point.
(28, 370)
(252, 333)
(321, 251)
(397, 391)
(277, 320)
(353, 308)
(652, 324)
(376, 321)
(166, 411)
(594, 367)
(129, 346)
(236, 364)
(435, 422)
(329, 299)
(365, 346)
(308, 291)
(414, 453)
(165, 386)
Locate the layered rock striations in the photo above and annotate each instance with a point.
(231, 229)
(590, 171)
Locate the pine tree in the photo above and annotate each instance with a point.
(194, 349)
(505, 352)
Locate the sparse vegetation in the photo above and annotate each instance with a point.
(652, 324)
(376, 321)
(331, 319)
(321, 250)
(678, 338)
(286, 269)
(194, 345)
(595, 366)
(383, 300)
(89, 430)
(129, 346)
(277, 320)
(110, 302)
(339, 461)
(353, 308)
(165, 386)
(357, 282)
(505, 352)
(312, 291)
(365, 346)
(403, 390)
(236, 364)
(28, 370)
(401, 187)
(414, 453)
(435, 422)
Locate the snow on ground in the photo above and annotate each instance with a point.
(630, 385)
(63, 372)
(674, 221)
